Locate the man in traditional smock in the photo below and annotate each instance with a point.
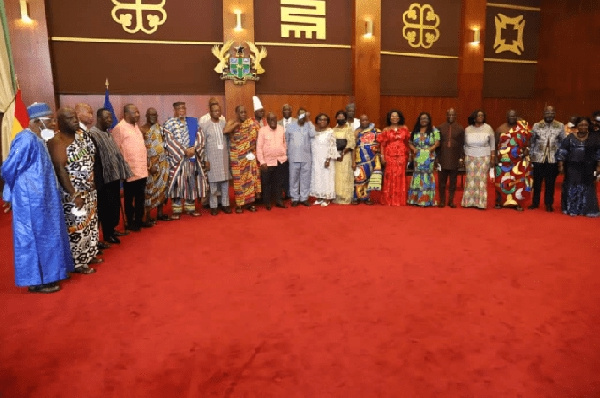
(298, 137)
(41, 243)
(243, 133)
(217, 160)
(72, 154)
(185, 146)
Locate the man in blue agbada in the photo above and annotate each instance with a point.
(42, 253)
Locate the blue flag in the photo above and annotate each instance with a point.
(109, 106)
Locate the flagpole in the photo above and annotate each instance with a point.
(106, 83)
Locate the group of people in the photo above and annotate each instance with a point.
(64, 186)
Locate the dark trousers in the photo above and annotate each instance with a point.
(286, 179)
(444, 175)
(544, 172)
(272, 182)
(109, 207)
(134, 195)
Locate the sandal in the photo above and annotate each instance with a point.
(97, 260)
(175, 217)
(194, 214)
(252, 208)
(83, 270)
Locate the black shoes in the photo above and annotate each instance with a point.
(102, 245)
(549, 208)
(45, 288)
(533, 207)
(305, 203)
(119, 233)
(113, 239)
(280, 204)
(214, 212)
(84, 270)
(226, 209)
(294, 203)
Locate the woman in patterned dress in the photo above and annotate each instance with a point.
(394, 155)
(480, 145)
(158, 167)
(366, 160)
(425, 140)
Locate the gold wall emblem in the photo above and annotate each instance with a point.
(303, 16)
(239, 67)
(138, 15)
(420, 25)
(518, 24)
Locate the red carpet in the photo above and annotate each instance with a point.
(344, 301)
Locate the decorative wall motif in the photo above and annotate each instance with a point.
(306, 17)
(421, 25)
(502, 24)
(139, 16)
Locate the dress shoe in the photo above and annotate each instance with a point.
(294, 203)
(281, 205)
(214, 211)
(102, 245)
(269, 207)
(119, 233)
(135, 229)
(533, 207)
(226, 209)
(113, 239)
(305, 203)
(549, 208)
(146, 224)
(45, 288)
(452, 205)
(441, 205)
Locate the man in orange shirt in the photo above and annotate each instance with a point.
(130, 141)
(271, 154)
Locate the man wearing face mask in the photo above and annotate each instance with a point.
(41, 244)
(546, 138)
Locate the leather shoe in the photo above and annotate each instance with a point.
(305, 203)
(441, 205)
(533, 207)
(146, 224)
(119, 233)
(452, 205)
(269, 207)
(281, 205)
(45, 288)
(102, 245)
(294, 203)
(549, 208)
(226, 209)
(213, 212)
(83, 270)
(113, 239)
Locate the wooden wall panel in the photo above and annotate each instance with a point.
(470, 68)
(29, 42)
(238, 94)
(367, 58)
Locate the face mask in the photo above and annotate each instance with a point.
(46, 133)
(341, 122)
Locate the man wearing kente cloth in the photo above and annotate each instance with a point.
(366, 160)
(42, 253)
(72, 153)
(185, 151)
(243, 132)
(513, 170)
